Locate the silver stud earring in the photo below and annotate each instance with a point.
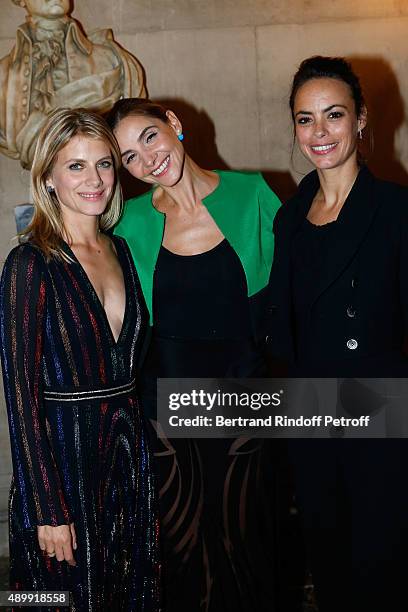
(50, 189)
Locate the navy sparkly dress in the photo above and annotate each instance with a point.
(77, 437)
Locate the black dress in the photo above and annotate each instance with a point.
(309, 255)
(215, 497)
(78, 441)
(350, 493)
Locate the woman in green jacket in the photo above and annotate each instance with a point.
(202, 243)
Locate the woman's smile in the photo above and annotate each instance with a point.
(93, 196)
(323, 149)
(162, 169)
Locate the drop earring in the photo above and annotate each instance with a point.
(360, 134)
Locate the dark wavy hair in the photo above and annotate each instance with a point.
(136, 107)
(318, 67)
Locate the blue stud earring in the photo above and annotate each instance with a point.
(180, 136)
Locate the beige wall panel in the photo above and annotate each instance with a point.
(319, 10)
(11, 17)
(195, 14)
(97, 14)
(145, 15)
(184, 14)
(378, 49)
(215, 72)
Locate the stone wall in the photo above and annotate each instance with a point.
(225, 66)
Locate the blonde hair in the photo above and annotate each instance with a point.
(46, 228)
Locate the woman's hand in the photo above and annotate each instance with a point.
(59, 542)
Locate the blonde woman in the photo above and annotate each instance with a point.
(82, 513)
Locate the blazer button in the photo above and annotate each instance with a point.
(351, 312)
(352, 344)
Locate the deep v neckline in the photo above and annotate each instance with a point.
(93, 291)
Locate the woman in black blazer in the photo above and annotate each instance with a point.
(339, 289)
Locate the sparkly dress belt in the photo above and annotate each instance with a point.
(75, 395)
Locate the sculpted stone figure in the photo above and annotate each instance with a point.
(54, 63)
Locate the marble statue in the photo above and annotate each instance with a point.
(54, 63)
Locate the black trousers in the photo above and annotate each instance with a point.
(352, 496)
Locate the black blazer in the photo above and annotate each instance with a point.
(358, 313)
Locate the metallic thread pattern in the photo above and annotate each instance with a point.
(79, 446)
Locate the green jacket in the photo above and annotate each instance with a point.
(243, 207)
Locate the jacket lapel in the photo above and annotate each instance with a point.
(353, 224)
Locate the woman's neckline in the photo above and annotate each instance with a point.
(203, 253)
(322, 225)
(208, 197)
(342, 209)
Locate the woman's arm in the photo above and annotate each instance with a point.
(22, 331)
